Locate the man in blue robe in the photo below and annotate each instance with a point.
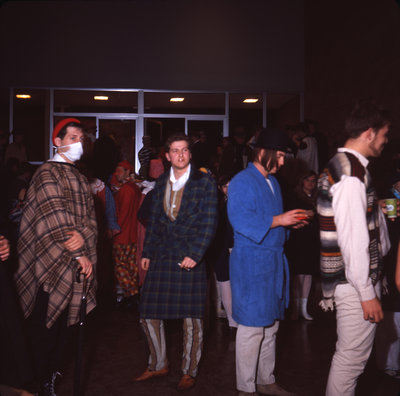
(258, 267)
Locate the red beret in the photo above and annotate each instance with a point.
(61, 124)
(126, 165)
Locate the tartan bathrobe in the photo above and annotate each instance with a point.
(58, 200)
(170, 292)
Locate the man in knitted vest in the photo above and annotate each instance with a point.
(353, 240)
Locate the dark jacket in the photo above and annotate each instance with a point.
(170, 292)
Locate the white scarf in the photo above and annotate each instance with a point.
(178, 184)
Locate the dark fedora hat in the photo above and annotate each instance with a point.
(274, 139)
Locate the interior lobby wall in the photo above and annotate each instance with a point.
(154, 44)
(352, 52)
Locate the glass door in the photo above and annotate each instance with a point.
(122, 133)
(206, 136)
(159, 129)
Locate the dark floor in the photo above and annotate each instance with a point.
(115, 352)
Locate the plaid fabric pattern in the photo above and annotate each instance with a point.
(332, 265)
(170, 292)
(126, 269)
(58, 200)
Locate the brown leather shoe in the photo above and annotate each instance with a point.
(147, 374)
(273, 389)
(186, 382)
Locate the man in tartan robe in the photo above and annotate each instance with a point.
(181, 226)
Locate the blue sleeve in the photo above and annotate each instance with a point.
(248, 217)
(111, 214)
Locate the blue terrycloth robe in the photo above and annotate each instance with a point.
(258, 267)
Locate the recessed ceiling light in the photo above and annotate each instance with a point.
(23, 96)
(177, 99)
(250, 100)
(101, 97)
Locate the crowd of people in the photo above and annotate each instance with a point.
(263, 218)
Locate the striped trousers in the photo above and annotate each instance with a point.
(192, 344)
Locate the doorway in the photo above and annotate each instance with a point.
(122, 132)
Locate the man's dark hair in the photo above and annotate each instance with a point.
(266, 158)
(63, 130)
(176, 138)
(309, 122)
(303, 127)
(366, 114)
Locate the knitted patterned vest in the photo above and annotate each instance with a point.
(332, 265)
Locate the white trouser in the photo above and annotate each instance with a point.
(226, 296)
(354, 342)
(255, 356)
(387, 342)
(192, 344)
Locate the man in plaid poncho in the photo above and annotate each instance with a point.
(57, 237)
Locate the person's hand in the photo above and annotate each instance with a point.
(310, 214)
(304, 219)
(299, 225)
(290, 218)
(382, 204)
(86, 266)
(187, 263)
(75, 242)
(372, 310)
(4, 248)
(145, 263)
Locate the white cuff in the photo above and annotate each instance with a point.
(367, 294)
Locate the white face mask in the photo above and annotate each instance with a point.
(75, 151)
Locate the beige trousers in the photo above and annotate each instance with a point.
(255, 356)
(354, 342)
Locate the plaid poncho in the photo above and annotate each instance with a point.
(58, 200)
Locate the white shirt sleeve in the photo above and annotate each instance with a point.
(349, 205)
